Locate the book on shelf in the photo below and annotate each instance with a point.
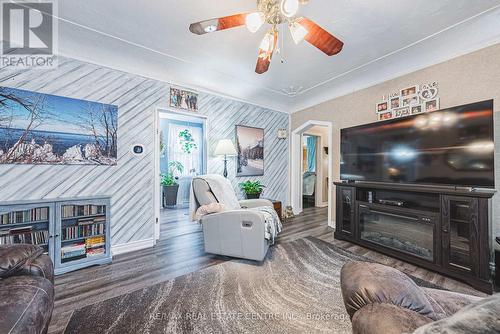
(32, 215)
(88, 221)
(95, 252)
(82, 231)
(85, 221)
(18, 230)
(95, 242)
(24, 236)
(73, 250)
(70, 211)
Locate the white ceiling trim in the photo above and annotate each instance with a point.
(373, 79)
(396, 51)
(302, 90)
(176, 84)
(480, 30)
(154, 50)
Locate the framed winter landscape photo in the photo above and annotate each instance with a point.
(46, 129)
(250, 147)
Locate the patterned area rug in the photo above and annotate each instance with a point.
(295, 290)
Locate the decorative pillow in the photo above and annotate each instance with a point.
(207, 209)
(13, 257)
(482, 317)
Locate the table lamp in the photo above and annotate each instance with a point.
(225, 147)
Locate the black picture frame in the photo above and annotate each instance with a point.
(250, 161)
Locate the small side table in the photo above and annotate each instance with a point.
(277, 207)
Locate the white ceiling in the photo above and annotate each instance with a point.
(383, 39)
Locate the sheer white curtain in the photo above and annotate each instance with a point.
(190, 161)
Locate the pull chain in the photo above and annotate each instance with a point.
(282, 48)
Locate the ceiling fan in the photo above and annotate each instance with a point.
(274, 12)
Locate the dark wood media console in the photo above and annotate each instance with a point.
(441, 229)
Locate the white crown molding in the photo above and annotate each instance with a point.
(171, 83)
(392, 53)
(294, 102)
(373, 80)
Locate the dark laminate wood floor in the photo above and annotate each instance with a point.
(180, 251)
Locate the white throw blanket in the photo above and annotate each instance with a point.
(273, 224)
(222, 190)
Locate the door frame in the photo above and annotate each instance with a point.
(296, 169)
(156, 154)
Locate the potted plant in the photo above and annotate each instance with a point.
(169, 183)
(252, 189)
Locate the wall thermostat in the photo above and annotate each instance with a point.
(282, 133)
(137, 149)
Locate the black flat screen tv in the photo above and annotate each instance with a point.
(452, 146)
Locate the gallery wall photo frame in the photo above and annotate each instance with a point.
(385, 115)
(382, 106)
(410, 100)
(401, 112)
(432, 105)
(250, 149)
(45, 129)
(416, 109)
(408, 91)
(183, 99)
(395, 102)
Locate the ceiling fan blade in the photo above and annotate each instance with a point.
(265, 55)
(262, 65)
(320, 38)
(221, 23)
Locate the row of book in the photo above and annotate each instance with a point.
(74, 250)
(95, 252)
(95, 242)
(91, 220)
(82, 231)
(69, 211)
(33, 215)
(24, 237)
(80, 250)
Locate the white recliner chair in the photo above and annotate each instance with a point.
(237, 233)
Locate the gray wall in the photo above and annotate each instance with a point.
(130, 183)
(224, 115)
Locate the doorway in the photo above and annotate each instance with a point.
(181, 154)
(312, 167)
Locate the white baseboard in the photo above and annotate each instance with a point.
(322, 205)
(132, 246)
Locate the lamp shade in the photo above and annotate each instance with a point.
(225, 147)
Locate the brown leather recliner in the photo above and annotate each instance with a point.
(383, 300)
(26, 289)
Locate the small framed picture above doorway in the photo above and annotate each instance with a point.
(183, 99)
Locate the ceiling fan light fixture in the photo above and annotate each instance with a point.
(298, 32)
(289, 7)
(267, 44)
(254, 21)
(210, 28)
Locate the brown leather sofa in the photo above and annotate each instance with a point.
(26, 289)
(383, 300)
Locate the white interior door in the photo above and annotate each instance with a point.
(172, 129)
